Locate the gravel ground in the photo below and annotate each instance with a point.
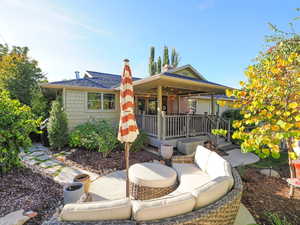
(263, 194)
(22, 188)
(95, 162)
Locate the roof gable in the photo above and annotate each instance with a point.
(187, 71)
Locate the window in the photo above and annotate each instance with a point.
(108, 101)
(100, 101)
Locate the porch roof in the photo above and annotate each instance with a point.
(172, 80)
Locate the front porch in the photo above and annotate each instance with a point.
(164, 112)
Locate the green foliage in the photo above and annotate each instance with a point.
(152, 66)
(139, 142)
(232, 114)
(57, 126)
(16, 122)
(270, 100)
(159, 64)
(40, 105)
(19, 74)
(94, 135)
(275, 219)
(174, 58)
(166, 60)
(219, 132)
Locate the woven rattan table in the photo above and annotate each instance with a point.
(151, 180)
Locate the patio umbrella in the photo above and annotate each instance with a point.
(128, 130)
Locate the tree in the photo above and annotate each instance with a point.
(19, 74)
(16, 122)
(174, 58)
(166, 60)
(57, 126)
(270, 99)
(152, 67)
(159, 65)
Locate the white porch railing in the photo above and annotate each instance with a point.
(148, 123)
(175, 126)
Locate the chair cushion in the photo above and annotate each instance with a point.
(164, 207)
(210, 192)
(219, 167)
(201, 157)
(101, 210)
(186, 169)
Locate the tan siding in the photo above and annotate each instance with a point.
(75, 106)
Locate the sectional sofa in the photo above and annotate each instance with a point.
(209, 192)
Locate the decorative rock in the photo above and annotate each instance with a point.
(16, 218)
(269, 172)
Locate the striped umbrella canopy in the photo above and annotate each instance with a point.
(128, 130)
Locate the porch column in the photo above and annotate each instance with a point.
(159, 109)
(212, 104)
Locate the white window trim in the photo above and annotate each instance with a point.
(102, 102)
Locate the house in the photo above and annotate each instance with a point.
(162, 101)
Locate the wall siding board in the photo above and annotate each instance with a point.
(76, 109)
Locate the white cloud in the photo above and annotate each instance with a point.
(53, 36)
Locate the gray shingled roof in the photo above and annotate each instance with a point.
(98, 80)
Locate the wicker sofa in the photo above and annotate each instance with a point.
(209, 193)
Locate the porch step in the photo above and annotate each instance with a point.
(151, 149)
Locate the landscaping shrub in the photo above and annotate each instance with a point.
(16, 122)
(95, 135)
(57, 126)
(139, 142)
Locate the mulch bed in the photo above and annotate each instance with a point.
(95, 162)
(264, 194)
(21, 188)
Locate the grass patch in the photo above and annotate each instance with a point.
(271, 162)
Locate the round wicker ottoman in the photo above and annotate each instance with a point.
(151, 180)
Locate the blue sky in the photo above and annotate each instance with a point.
(218, 37)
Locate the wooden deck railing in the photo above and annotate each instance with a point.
(175, 126)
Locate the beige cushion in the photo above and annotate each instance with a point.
(163, 207)
(186, 169)
(152, 175)
(219, 167)
(201, 157)
(101, 210)
(210, 192)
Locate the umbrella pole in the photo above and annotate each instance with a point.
(127, 147)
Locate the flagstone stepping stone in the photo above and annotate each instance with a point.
(42, 157)
(244, 217)
(15, 218)
(236, 158)
(269, 172)
(67, 175)
(50, 163)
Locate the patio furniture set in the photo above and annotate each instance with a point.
(200, 188)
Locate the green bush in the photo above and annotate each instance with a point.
(94, 135)
(232, 115)
(57, 126)
(139, 142)
(274, 219)
(16, 122)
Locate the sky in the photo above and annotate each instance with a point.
(219, 38)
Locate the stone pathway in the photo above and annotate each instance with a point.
(41, 158)
(237, 158)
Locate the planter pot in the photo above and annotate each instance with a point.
(85, 180)
(73, 192)
(166, 151)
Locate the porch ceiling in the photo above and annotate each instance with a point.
(185, 86)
